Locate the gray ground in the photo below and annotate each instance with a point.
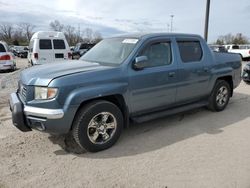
(197, 149)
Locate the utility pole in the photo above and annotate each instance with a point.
(207, 20)
(172, 20)
(79, 32)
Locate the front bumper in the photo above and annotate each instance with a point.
(43, 112)
(18, 119)
(26, 118)
(7, 65)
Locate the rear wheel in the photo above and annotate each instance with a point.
(220, 96)
(97, 126)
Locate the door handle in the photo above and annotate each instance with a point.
(171, 74)
(206, 69)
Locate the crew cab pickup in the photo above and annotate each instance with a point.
(123, 79)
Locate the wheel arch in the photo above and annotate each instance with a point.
(229, 80)
(116, 99)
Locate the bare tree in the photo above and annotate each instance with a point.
(87, 35)
(56, 26)
(70, 34)
(240, 39)
(6, 31)
(97, 37)
(27, 30)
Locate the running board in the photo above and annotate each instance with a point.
(172, 111)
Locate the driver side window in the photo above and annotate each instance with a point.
(158, 54)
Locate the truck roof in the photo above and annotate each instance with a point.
(48, 34)
(152, 35)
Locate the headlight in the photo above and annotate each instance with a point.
(45, 92)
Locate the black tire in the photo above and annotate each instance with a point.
(13, 68)
(30, 64)
(95, 111)
(219, 105)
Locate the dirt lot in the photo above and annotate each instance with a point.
(197, 149)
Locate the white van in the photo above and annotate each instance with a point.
(48, 47)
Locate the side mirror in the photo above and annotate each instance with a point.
(140, 62)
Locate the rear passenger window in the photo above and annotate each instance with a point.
(2, 49)
(45, 44)
(158, 54)
(58, 44)
(190, 51)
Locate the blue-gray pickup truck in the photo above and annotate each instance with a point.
(132, 78)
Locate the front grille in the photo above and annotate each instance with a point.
(23, 91)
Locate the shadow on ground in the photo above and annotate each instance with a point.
(157, 134)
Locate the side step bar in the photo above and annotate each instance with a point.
(172, 111)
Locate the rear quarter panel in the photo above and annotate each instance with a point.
(227, 64)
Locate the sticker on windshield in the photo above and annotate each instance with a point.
(130, 41)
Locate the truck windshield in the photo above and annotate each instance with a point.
(111, 51)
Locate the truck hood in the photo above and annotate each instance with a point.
(42, 75)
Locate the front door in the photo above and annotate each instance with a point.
(154, 86)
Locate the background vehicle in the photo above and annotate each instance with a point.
(20, 51)
(81, 49)
(245, 53)
(7, 61)
(48, 47)
(128, 78)
(218, 48)
(72, 48)
(246, 73)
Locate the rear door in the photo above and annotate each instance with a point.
(193, 71)
(60, 51)
(46, 52)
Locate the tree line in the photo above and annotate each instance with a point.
(239, 38)
(21, 33)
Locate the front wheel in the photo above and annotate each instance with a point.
(220, 95)
(98, 125)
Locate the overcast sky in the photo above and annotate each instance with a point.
(112, 17)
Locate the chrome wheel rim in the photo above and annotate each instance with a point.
(102, 128)
(222, 96)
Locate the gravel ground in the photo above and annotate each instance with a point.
(196, 149)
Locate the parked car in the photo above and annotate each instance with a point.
(48, 47)
(81, 49)
(122, 79)
(15, 50)
(246, 73)
(20, 51)
(7, 61)
(244, 53)
(218, 48)
(72, 48)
